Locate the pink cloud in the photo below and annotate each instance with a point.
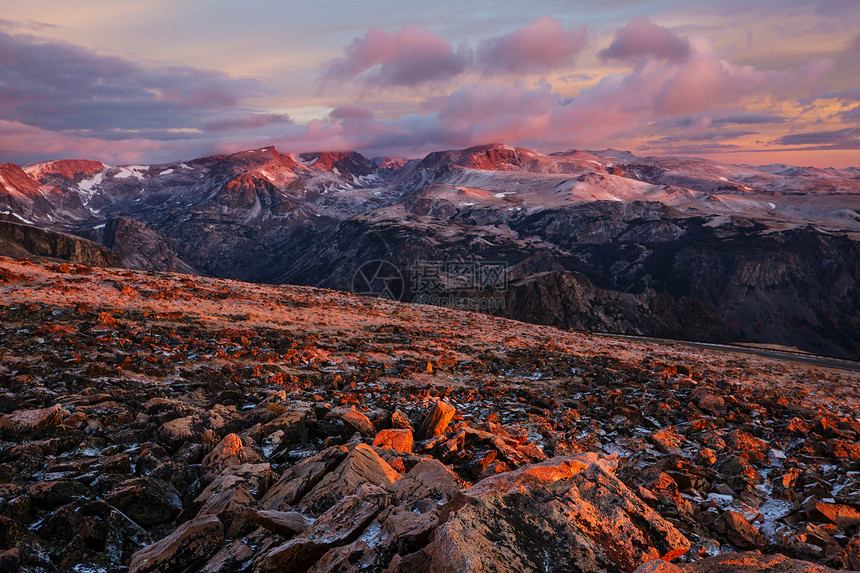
(407, 57)
(641, 39)
(854, 46)
(491, 112)
(541, 46)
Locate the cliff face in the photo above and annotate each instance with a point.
(139, 246)
(18, 241)
(570, 300)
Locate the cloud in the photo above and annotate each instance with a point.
(355, 112)
(492, 112)
(848, 138)
(12, 25)
(853, 46)
(642, 39)
(852, 114)
(542, 46)
(408, 57)
(62, 87)
(249, 121)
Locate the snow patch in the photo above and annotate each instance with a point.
(772, 205)
(166, 172)
(97, 227)
(131, 171)
(16, 215)
(87, 187)
(723, 179)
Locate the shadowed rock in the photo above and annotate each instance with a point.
(191, 544)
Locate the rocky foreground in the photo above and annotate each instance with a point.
(164, 422)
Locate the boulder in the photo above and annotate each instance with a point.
(358, 422)
(667, 441)
(191, 544)
(286, 523)
(233, 557)
(148, 501)
(572, 513)
(753, 563)
(339, 525)
(400, 421)
(230, 451)
(176, 432)
(436, 421)
(430, 479)
(360, 466)
(302, 477)
(739, 531)
(253, 477)
(26, 422)
(400, 440)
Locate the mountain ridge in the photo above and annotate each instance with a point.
(628, 224)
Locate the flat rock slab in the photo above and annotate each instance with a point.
(25, 422)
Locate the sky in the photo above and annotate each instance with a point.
(756, 82)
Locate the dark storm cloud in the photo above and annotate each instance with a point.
(61, 87)
(839, 139)
(249, 121)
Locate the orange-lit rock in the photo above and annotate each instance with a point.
(230, 451)
(436, 421)
(570, 512)
(400, 440)
(753, 563)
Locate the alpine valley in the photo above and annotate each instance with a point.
(602, 240)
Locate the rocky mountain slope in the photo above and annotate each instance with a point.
(767, 255)
(168, 422)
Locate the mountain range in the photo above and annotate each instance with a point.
(600, 240)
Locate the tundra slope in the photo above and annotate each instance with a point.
(670, 247)
(166, 422)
